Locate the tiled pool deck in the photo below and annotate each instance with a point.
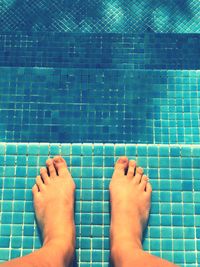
(174, 225)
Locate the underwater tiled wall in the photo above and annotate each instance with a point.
(78, 105)
(100, 51)
(100, 16)
(174, 225)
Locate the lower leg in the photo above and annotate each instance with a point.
(53, 196)
(127, 255)
(130, 197)
(50, 255)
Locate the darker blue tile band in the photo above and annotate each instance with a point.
(100, 51)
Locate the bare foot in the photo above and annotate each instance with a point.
(130, 196)
(53, 196)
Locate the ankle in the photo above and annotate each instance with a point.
(124, 250)
(60, 236)
(60, 253)
(126, 238)
(65, 242)
(121, 246)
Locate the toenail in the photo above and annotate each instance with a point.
(132, 163)
(43, 169)
(140, 170)
(145, 178)
(49, 162)
(57, 159)
(122, 160)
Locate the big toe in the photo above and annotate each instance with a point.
(120, 167)
(60, 165)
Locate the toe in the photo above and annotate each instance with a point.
(44, 175)
(144, 182)
(148, 188)
(35, 189)
(40, 183)
(51, 168)
(138, 175)
(120, 167)
(131, 169)
(60, 165)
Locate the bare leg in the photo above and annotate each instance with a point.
(53, 196)
(130, 197)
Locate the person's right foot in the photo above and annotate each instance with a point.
(53, 196)
(130, 196)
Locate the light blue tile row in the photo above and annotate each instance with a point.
(174, 171)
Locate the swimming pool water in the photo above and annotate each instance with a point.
(93, 81)
(100, 16)
(40, 104)
(91, 87)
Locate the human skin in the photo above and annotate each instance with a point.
(53, 196)
(130, 196)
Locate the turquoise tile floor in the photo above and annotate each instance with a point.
(174, 171)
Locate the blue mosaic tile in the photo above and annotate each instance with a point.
(170, 113)
(4, 255)
(173, 224)
(160, 51)
(95, 16)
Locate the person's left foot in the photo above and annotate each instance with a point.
(53, 196)
(130, 196)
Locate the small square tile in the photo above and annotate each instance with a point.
(66, 150)
(11, 149)
(33, 149)
(109, 150)
(76, 149)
